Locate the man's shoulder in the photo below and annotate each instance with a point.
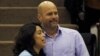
(67, 29)
(25, 53)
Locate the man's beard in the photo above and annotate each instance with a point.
(50, 25)
(54, 24)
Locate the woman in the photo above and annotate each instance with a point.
(30, 41)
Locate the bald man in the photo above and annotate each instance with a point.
(60, 41)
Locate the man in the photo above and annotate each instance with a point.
(76, 11)
(59, 41)
(92, 13)
(75, 8)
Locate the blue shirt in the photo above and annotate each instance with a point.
(25, 53)
(67, 42)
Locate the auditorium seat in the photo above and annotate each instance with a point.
(90, 41)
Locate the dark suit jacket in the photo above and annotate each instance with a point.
(74, 5)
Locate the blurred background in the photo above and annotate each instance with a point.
(81, 15)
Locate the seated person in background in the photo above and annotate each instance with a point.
(30, 41)
(76, 11)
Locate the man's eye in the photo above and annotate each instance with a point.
(55, 13)
(49, 14)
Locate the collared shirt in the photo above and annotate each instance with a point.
(66, 42)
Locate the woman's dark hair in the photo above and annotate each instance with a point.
(24, 39)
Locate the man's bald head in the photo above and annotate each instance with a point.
(48, 14)
(45, 4)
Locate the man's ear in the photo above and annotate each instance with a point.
(39, 17)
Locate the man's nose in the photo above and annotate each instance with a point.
(53, 15)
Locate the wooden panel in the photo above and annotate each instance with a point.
(26, 3)
(25, 15)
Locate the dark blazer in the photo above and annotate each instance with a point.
(74, 5)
